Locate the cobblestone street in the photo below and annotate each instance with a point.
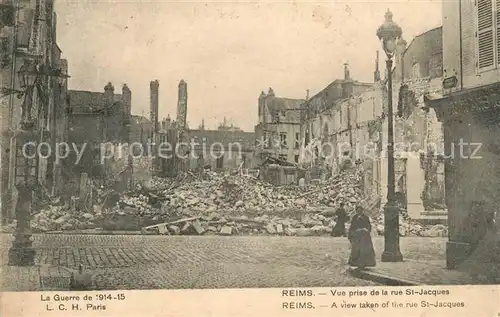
(159, 262)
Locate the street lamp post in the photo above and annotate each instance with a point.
(26, 170)
(21, 253)
(389, 33)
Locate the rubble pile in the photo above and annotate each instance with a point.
(222, 205)
(407, 227)
(307, 225)
(54, 218)
(237, 193)
(217, 224)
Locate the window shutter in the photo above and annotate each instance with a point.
(485, 33)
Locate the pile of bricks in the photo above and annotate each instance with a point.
(215, 224)
(224, 205)
(407, 227)
(235, 194)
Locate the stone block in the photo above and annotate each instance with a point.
(162, 229)
(305, 232)
(198, 228)
(186, 228)
(279, 228)
(226, 231)
(290, 231)
(206, 218)
(175, 230)
(270, 228)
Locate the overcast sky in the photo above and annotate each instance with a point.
(227, 51)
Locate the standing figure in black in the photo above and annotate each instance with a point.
(342, 218)
(362, 252)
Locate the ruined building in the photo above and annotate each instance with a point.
(330, 117)
(28, 33)
(278, 131)
(349, 117)
(95, 119)
(420, 164)
(173, 133)
(226, 148)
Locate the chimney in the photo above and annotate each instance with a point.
(109, 93)
(347, 75)
(399, 60)
(168, 122)
(262, 103)
(182, 105)
(376, 74)
(203, 124)
(270, 93)
(154, 97)
(347, 85)
(126, 99)
(307, 94)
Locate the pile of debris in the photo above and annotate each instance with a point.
(216, 224)
(221, 204)
(240, 193)
(307, 225)
(407, 227)
(63, 217)
(163, 200)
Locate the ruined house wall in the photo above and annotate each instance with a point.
(352, 120)
(420, 128)
(123, 168)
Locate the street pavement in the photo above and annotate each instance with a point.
(183, 262)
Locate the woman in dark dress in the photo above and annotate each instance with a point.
(362, 252)
(342, 218)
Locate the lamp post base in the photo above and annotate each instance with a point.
(392, 256)
(22, 256)
(391, 234)
(21, 253)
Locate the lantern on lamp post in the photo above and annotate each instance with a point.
(389, 33)
(28, 75)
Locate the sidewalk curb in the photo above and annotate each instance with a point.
(373, 276)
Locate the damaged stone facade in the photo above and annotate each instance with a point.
(341, 119)
(417, 127)
(352, 117)
(422, 136)
(31, 31)
(97, 119)
(278, 131)
(220, 149)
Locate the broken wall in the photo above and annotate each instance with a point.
(419, 128)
